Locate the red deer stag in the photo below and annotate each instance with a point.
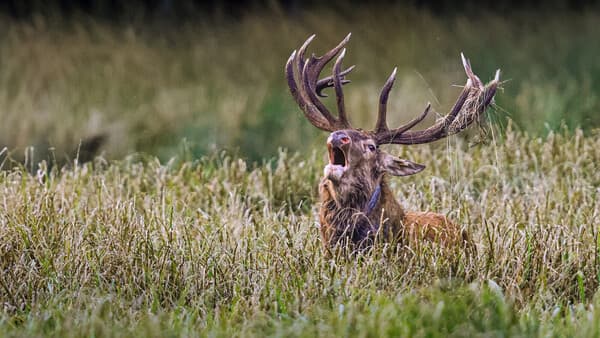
(357, 204)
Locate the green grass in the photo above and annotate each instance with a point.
(193, 240)
(220, 247)
(218, 82)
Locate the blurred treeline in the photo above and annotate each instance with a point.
(112, 77)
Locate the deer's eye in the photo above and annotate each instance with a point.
(371, 147)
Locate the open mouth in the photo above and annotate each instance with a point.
(336, 156)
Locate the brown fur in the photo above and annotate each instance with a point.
(343, 213)
(395, 224)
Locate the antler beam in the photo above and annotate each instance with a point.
(472, 102)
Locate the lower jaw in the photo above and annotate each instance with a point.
(334, 172)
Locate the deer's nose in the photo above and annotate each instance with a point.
(338, 139)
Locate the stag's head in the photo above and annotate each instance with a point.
(355, 155)
(355, 158)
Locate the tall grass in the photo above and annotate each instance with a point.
(220, 247)
(218, 82)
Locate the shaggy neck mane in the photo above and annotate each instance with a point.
(347, 213)
(356, 193)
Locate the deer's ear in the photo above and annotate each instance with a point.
(399, 167)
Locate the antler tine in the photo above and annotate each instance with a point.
(307, 87)
(310, 111)
(312, 68)
(467, 66)
(306, 68)
(490, 89)
(327, 82)
(300, 61)
(339, 93)
(413, 122)
(381, 124)
(323, 60)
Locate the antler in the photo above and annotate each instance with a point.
(472, 102)
(308, 87)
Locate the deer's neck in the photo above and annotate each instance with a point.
(353, 193)
(360, 215)
(388, 206)
(339, 203)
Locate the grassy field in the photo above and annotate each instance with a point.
(199, 217)
(220, 247)
(218, 82)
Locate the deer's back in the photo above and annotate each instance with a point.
(433, 226)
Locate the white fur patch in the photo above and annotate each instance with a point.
(334, 171)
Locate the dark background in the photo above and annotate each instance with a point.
(177, 10)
